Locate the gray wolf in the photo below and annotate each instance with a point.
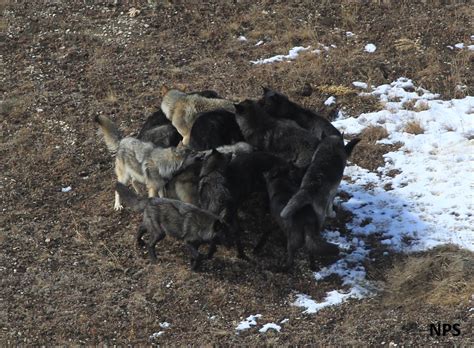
(322, 178)
(159, 130)
(141, 162)
(182, 109)
(278, 105)
(183, 221)
(302, 228)
(265, 133)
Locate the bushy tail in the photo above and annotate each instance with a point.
(350, 146)
(299, 200)
(131, 199)
(112, 135)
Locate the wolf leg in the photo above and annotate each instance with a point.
(295, 242)
(157, 235)
(136, 187)
(196, 257)
(212, 250)
(152, 191)
(261, 243)
(122, 177)
(141, 231)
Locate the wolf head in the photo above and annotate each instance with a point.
(215, 161)
(276, 104)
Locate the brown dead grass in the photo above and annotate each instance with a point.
(416, 105)
(414, 127)
(442, 276)
(372, 134)
(337, 90)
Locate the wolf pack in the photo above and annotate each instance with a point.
(201, 157)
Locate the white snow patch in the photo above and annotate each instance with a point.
(331, 100)
(332, 298)
(431, 198)
(370, 48)
(269, 326)
(259, 43)
(242, 38)
(292, 54)
(427, 203)
(350, 34)
(359, 84)
(470, 47)
(459, 45)
(155, 335)
(165, 325)
(248, 323)
(284, 321)
(66, 189)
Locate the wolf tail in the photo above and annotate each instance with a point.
(350, 146)
(112, 135)
(131, 199)
(299, 200)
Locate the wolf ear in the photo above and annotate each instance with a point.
(350, 146)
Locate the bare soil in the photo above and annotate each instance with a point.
(69, 271)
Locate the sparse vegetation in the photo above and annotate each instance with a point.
(414, 127)
(70, 273)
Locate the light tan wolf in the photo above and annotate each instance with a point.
(141, 162)
(182, 109)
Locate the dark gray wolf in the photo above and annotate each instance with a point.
(322, 178)
(265, 133)
(213, 129)
(141, 162)
(182, 109)
(278, 105)
(180, 220)
(303, 228)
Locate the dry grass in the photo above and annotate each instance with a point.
(414, 127)
(337, 90)
(442, 276)
(405, 45)
(372, 134)
(111, 97)
(416, 105)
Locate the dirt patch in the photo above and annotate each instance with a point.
(70, 273)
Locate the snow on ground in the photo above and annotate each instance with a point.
(331, 100)
(370, 48)
(248, 323)
(431, 199)
(427, 202)
(292, 54)
(270, 326)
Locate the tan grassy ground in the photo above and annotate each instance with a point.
(69, 271)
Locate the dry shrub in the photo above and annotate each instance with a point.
(337, 90)
(414, 127)
(372, 134)
(416, 105)
(441, 276)
(405, 45)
